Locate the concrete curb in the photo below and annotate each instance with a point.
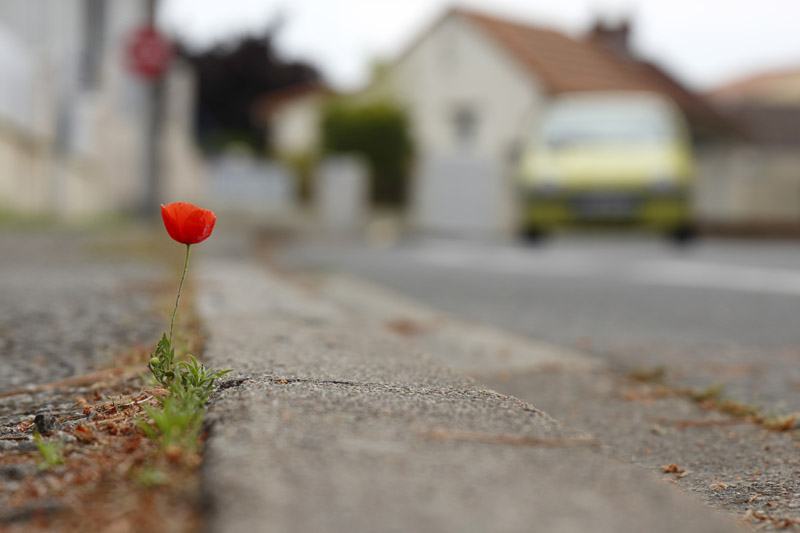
(332, 423)
(476, 349)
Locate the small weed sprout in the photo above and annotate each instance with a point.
(194, 375)
(712, 393)
(177, 422)
(149, 476)
(786, 422)
(50, 451)
(648, 375)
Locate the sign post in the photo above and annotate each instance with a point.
(149, 53)
(148, 56)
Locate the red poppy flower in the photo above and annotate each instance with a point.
(187, 223)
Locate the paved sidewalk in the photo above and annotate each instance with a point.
(69, 301)
(333, 424)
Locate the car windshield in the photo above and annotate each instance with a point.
(605, 124)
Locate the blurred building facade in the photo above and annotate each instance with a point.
(292, 116)
(475, 86)
(753, 185)
(766, 106)
(72, 114)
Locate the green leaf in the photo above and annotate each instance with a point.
(50, 451)
(164, 349)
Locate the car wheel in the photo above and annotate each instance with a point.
(533, 235)
(683, 235)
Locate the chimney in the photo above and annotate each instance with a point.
(613, 37)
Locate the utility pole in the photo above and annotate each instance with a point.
(152, 131)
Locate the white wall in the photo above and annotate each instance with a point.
(476, 184)
(17, 88)
(80, 145)
(23, 181)
(341, 194)
(748, 184)
(295, 125)
(50, 35)
(244, 185)
(457, 66)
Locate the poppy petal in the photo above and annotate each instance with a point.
(170, 222)
(197, 226)
(187, 223)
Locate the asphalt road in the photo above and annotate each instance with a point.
(716, 312)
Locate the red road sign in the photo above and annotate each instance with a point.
(149, 52)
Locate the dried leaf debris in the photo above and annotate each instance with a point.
(110, 476)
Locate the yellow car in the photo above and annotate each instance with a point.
(608, 158)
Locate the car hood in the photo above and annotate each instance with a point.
(622, 165)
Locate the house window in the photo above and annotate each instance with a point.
(465, 126)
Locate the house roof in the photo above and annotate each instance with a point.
(564, 64)
(767, 106)
(561, 63)
(278, 98)
(265, 107)
(778, 88)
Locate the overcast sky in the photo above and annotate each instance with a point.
(704, 42)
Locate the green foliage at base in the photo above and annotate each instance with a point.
(302, 165)
(196, 377)
(50, 451)
(162, 364)
(150, 476)
(177, 421)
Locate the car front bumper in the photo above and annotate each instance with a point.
(607, 207)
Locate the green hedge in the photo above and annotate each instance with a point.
(379, 132)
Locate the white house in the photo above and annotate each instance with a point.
(474, 85)
(293, 118)
(72, 115)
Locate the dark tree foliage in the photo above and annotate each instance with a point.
(231, 78)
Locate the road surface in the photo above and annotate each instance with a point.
(719, 311)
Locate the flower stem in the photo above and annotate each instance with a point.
(180, 289)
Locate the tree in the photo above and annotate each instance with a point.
(231, 78)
